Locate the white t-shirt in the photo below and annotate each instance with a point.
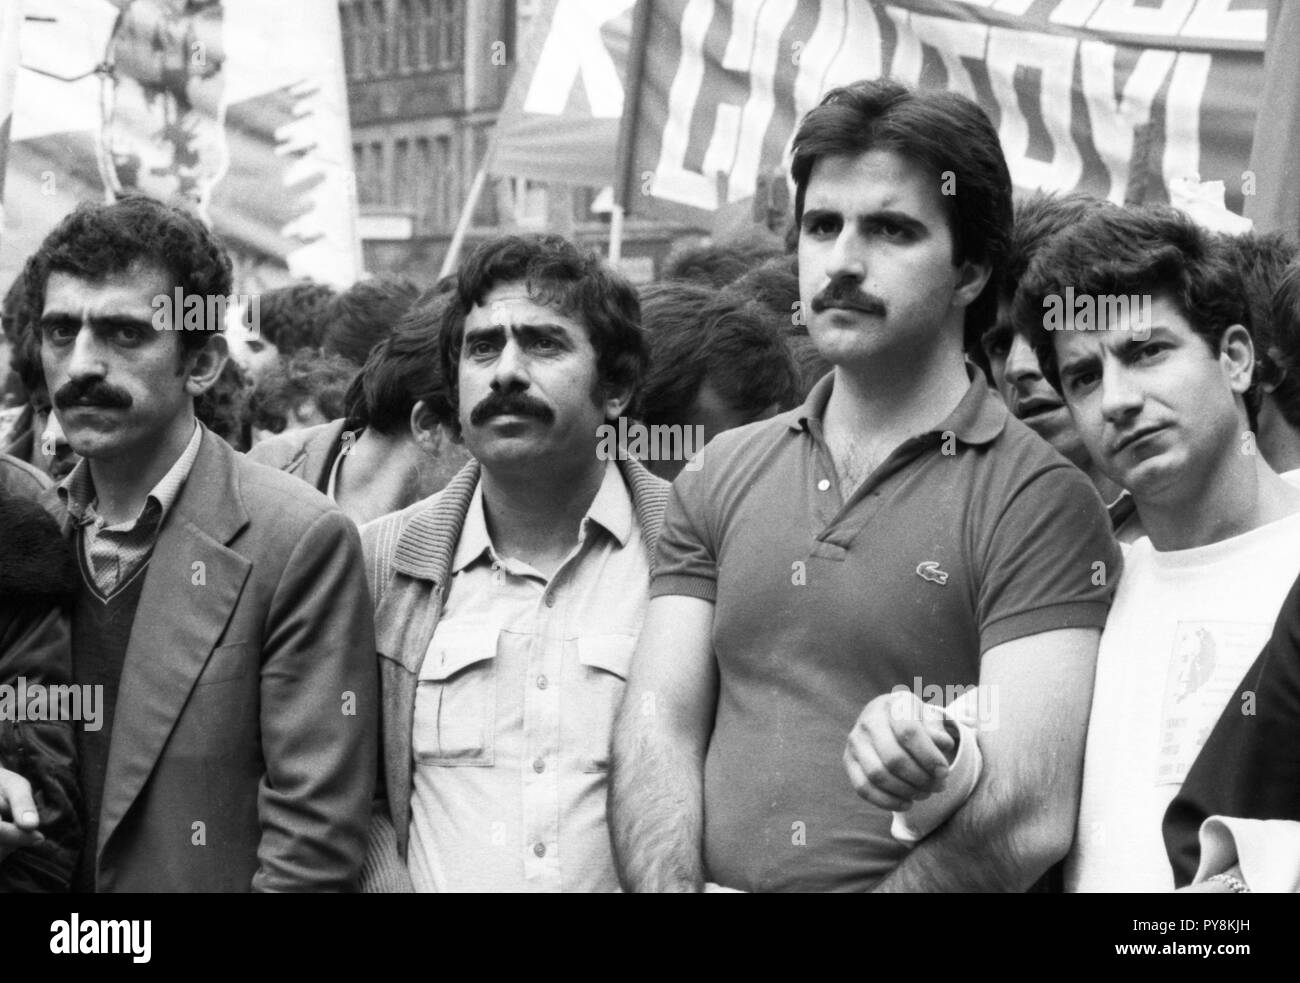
(1184, 628)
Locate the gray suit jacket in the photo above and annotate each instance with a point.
(245, 739)
(408, 563)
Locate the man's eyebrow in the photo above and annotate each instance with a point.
(904, 219)
(1078, 364)
(484, 331)
(112, 321)
(107, 322)
(812, 214)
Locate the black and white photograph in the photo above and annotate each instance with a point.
(510, 447)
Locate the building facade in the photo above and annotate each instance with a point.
(426, 82)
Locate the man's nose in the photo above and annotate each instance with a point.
(1120, 397)
(847, 258)
(511, 370)
(1022, 363)
(86, 357)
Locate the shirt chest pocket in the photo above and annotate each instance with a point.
(456, 699)
(603, 664)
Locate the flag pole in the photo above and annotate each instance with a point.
(625, 165)
(466, 214)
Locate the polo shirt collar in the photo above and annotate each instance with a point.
(977, 419)
(611, 510)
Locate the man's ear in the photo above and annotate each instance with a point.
(1237, 356)
(616, 400)
(973, 276)
(202, 367)
(425, 428)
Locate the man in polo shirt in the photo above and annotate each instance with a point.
(220, 613)
(899, 528)
(507, 605)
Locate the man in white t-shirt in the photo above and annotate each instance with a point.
(1157, 389)
(1139, 320)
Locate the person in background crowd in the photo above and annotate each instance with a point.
(899, 528)
(1278, 376)
(713, 365)
(365, 314)
(223, 409)
(288, 319)
(508, 604)
(774, 288)
(35, 435)
(391, 447)
(1158, 389)
(220, 607)
(304, 390)
(40, 804)
(1013, 365)
(716, 264)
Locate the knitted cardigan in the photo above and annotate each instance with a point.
(408, 565)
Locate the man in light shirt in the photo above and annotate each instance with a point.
(508, 604)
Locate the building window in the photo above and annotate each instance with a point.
(405, 38)
(356, 40)
(403, 196)
(449, 28)
(379, 28)
(378, 182)
(444, 183)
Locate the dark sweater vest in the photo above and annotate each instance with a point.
(101, 629)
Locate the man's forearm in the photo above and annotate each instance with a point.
(656, 807)
(986, 847)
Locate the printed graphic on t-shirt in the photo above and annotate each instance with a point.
(1208, 660)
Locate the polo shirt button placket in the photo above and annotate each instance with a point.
(539, 850)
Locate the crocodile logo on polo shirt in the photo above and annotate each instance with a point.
(929, 570)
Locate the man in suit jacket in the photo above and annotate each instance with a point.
(509, 603)
(221, 613)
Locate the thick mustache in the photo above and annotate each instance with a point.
(95, 392)
(846, 295)
(512, 403)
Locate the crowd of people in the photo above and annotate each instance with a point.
(952, 544)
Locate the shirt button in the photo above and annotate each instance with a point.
(550, 600)
(539, 849)
(541, 682)
(539, 766)
(824, 484)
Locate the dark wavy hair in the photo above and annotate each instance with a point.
(293, 317)
(716, 264)
(1152, 249)
(940, 131)
(1284, 352)
(365, 314)
(1037, 217)
(558, 274)
(404, 369)
(97, 241)
(696, 336)
(307, 375)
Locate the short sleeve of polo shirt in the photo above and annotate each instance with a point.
(1049, 560)
(687, 560)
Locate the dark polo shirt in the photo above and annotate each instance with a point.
(966, 537)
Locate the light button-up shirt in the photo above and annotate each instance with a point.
(515, 707)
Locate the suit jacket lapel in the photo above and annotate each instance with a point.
(183, 610)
